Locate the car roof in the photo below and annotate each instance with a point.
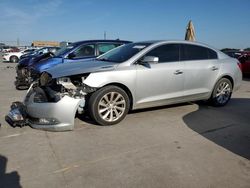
(155, 42)
(173, 41)
(94, 41)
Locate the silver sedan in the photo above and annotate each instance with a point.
(132, 76)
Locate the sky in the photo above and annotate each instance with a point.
(219, 23)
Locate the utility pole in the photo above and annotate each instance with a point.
(105, 35)
(17, 41)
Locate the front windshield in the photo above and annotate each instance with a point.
(123, 53)
(62, 51)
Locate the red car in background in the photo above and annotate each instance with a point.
(245, 63)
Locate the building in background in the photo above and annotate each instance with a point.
(45, 43)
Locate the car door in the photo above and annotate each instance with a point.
(84, 51)
(160, 83)
(201, 69)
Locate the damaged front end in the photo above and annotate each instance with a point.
(51, 104)
(24, 77)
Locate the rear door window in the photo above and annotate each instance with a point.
(194, 52)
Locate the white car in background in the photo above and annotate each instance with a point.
(14, 57)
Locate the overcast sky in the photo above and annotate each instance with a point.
(220, 23)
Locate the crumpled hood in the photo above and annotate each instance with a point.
(42, 65)
(80, 67)
(24, 62)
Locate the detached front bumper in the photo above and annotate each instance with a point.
(50, 116)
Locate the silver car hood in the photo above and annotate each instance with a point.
(80, 67)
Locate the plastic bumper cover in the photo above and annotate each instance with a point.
(59, 116)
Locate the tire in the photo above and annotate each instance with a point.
(222, 92)
(108, 105)
(14, 59)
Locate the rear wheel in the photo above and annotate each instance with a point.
(14, 59)
(222, 92)
(108, 105)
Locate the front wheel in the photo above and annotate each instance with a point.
(108, 105)
(222, 92)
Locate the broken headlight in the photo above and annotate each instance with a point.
(40, 96)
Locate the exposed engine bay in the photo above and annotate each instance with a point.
(55, 89)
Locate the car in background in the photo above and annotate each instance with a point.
(233, 53)
(40, 51)
(29, 50)
(14, 57)
(74, 52)
(7, 49)
(245, 63)
(22, 78)
(132, 76)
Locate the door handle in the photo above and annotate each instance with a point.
(178, 72)
(214, 68)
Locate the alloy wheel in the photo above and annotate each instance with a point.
(111, 106)
(223, 92)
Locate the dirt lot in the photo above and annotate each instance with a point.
(188, 145)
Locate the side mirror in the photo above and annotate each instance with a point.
(150, 59)
(71, 55)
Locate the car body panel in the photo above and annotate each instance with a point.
(80, 67)
(158, 83)
(199, 78)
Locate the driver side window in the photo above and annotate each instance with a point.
(166, 53)
(84, 51)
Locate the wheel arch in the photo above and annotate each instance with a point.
(12, 56)
(229, 78)
(126, 89)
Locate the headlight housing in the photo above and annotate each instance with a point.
(40, 96)
(45, 79)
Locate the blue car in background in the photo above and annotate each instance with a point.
(30, 58)
(74, 52)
